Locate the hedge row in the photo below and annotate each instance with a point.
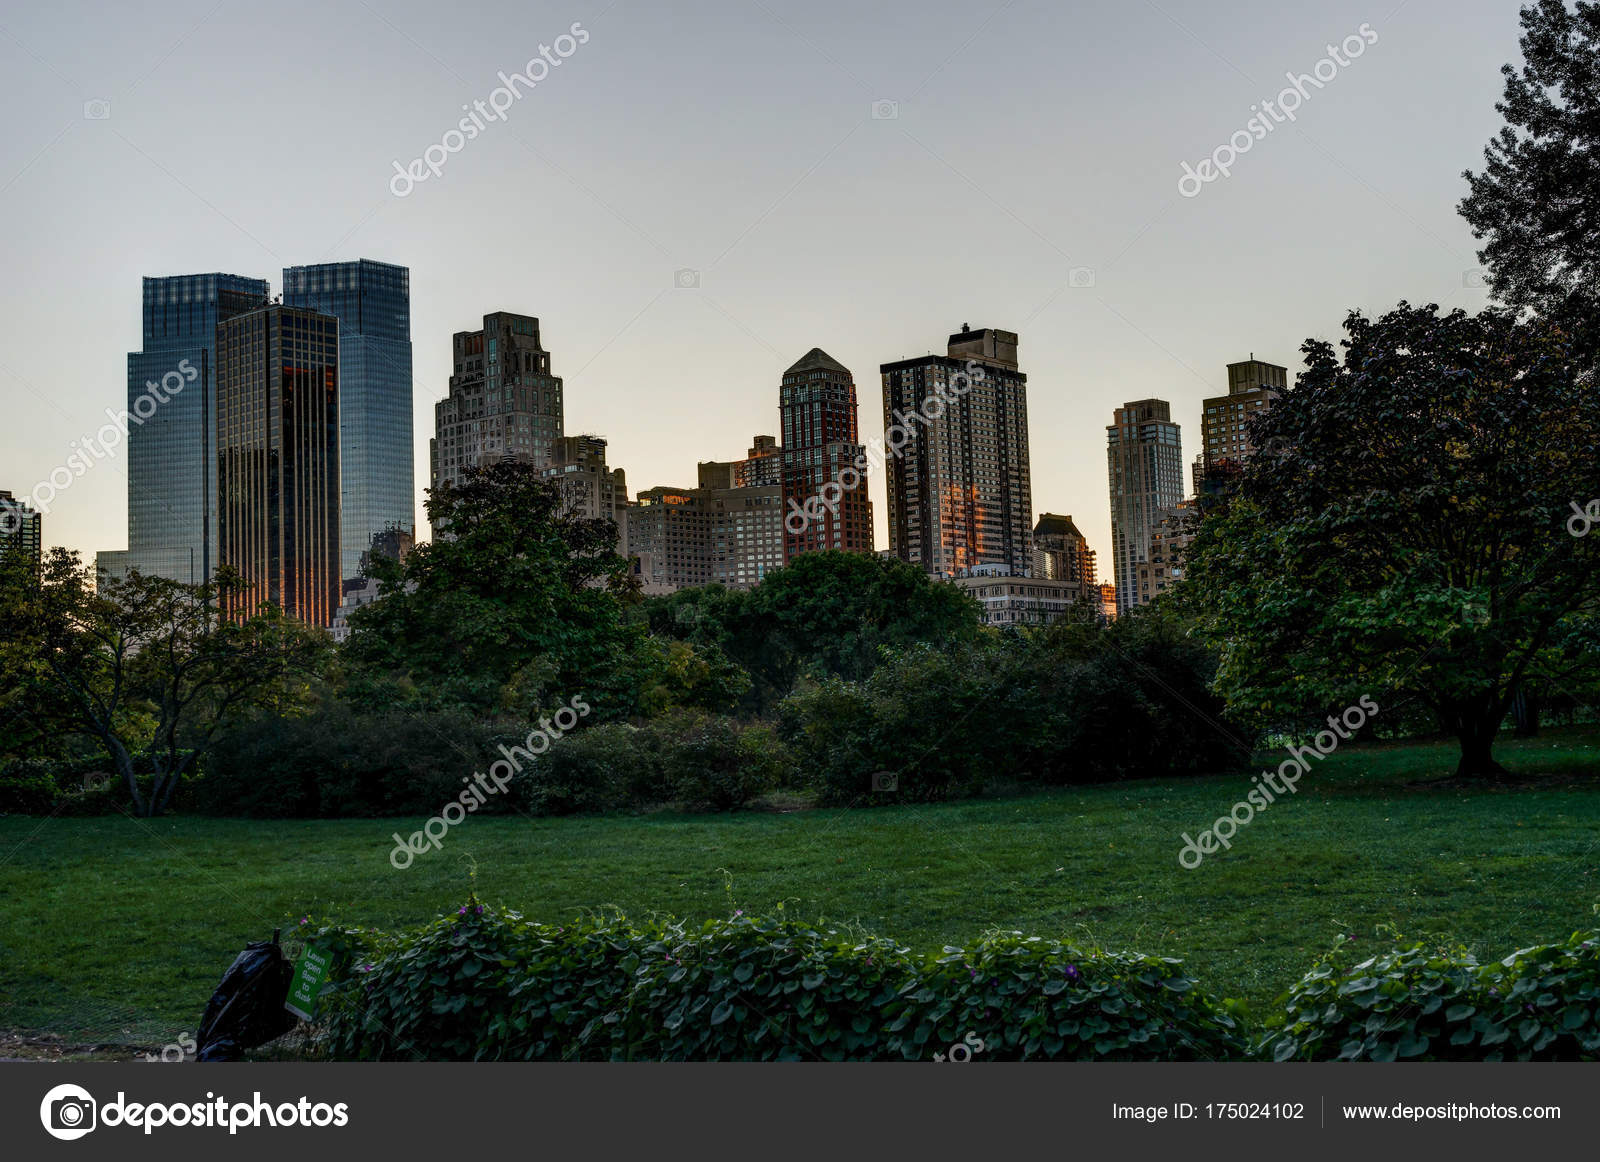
(485, 984)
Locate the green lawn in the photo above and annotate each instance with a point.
(113, 929)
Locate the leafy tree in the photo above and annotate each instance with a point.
(1537, 202)
(826, 614)
(515, 598)
(144, 665)
(1410, 540)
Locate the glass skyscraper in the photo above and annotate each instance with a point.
(372, 301)
(278, 438)
(172, 475)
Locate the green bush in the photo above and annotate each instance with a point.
(27, 787)
(1417, 1003)
(486, 984)
(598, 768)
(1025, 998)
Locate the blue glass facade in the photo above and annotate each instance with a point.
(372, 301)
(170, 422)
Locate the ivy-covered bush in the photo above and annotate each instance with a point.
(1027, 998)
(1439, 1004)
(483, 983)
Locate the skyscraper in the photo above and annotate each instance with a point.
(1062, 553)
(821, 447)
(21, 528)
(956, 430)
(172, 462)
(1144, 457)
(372, 301)
(278, 459)
(503, 404)
(1252, 387)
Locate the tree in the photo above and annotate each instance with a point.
(1410, 539)
(144, 666)
(825, 614)
(1537, 202)
(516, 597)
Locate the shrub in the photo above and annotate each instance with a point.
(1538, 1004)
(27, 787)
(598, 768)
(1024, 998)
(486, 984)
(714, 764)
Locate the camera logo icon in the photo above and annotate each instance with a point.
(686, 279)
(885, 110)
(1474, 279)
(885, 782)
(96, 110)
(68, 1112)
(1080, 276)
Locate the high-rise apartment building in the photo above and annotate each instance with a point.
(1062, 553)
(171, 425)
(588, 485)
(278, 460)
(762, 465)
(1144, 455)
(21, 528)
(956, 436)
(1252, 387)
(372, 301)
(821, 448)
(503, 404)
(725, 531)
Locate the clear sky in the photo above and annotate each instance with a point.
(1013, 144)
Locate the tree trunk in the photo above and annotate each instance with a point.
(1525, 711)
(1476, 735)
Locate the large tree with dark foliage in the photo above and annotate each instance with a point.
(516, 600)
(1409, 538)
(1536, 204)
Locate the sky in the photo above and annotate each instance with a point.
(860, 177)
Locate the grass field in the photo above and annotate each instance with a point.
(117, 930)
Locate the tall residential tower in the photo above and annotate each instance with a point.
(503, 404)
(1144, 457)
(817, 410)
(956, 430)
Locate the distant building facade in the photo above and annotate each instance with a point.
(825, 498)
(1009, 600)
(1253, 386)
(278, 460)
(171, 444)
(395, 543)
(722, 531)
(372, 301)
(504, 404)
(959, 483)
(1144, 454)
(21, 528)
(1061, 553)
(589, 486)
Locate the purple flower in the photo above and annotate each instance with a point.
(478, 911)
(738, 911)
(1073, 973)
(461, 911)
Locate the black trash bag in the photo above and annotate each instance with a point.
(247, 1008)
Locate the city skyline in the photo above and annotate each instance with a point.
(1121, 287)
